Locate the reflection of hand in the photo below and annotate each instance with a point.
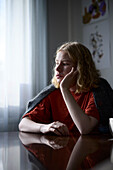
(57, 128)
(55, 142)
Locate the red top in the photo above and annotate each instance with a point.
(53, 108)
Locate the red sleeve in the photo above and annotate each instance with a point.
(91, 109)
(41, 113)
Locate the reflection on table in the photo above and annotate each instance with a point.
(27, 151)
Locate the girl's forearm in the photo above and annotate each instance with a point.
(83, 122)
(27, 125)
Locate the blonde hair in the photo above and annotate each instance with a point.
(88, 76)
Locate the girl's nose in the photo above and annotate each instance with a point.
(58, 67)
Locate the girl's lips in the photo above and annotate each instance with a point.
(58, 76)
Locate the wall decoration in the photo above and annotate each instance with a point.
(96, 38)
(94, 10)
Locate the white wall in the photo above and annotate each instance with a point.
(108, 73)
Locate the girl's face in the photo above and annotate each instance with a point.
(63, 65)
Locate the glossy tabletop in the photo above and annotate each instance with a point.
(25, 151)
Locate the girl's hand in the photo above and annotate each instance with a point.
(70, 79)
(57, 128)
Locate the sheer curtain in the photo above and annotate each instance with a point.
(22, 57)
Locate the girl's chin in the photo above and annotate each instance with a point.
(59, 80)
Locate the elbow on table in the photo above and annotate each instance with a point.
(20, 126)
(85, 131)
(87, 128)
(23, 125)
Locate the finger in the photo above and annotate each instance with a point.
(61, 128)
(71, 72)
(72, 69)
(55, 131)
(64, 130)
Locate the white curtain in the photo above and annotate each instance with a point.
(22, 57)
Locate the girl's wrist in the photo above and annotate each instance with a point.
(63, 89)
(41, 128)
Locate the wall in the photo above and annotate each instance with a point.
(57, 29)
(75, 20)
(108, 73)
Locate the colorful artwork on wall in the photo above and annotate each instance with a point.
(94, 10)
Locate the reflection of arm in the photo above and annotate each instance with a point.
(29, 138)
(55, 142)
(83, 147)
(76, 157)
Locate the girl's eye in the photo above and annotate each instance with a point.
(65, 64)
(56, 63)
(62, 63)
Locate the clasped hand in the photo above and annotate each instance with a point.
(57, 128)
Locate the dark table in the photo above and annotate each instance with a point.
(27, 151)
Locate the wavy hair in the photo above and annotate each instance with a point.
(88, 76)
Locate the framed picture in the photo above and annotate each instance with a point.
(94, 10)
